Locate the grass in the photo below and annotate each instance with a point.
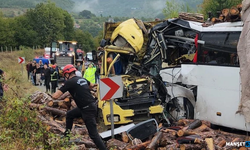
(20, 127)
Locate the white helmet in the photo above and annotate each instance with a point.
(78, 73)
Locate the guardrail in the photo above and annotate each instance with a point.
(10, 48)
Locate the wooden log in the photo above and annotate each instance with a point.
(141, 146)
(52, 103)
(227, 134)
(210, 144)
(234, 14)
(86, 142)
(66, 94)
(167, 139)
(173, 132)
(40, 98)
(239, 6)
(136, 141)
(184, 122)
(216, 20)
(55, 124)
(125, 137)
(55, 111)
(191, 146)
(185, 132)
(33, 105)
(172, 146)
(155, 141)
(220, 142)
(62, 104)
(234, 11)
(225, 13)
(193, 125)
(202, 128)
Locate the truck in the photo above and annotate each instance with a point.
(67, 53)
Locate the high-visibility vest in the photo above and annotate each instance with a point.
(54, 76)
(89, 74)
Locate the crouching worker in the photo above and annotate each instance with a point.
(86, 108)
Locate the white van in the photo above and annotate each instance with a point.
(89, 56)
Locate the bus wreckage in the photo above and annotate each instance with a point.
(174, 69)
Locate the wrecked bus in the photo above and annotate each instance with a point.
(182, 70)
(191, 57)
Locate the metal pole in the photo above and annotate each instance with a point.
(22, 68)
(112, 118)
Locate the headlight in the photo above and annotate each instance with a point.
(57, 54)
(70, 54)
(116, 118)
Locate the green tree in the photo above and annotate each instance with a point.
(217, 5)
(173, 8)
(85, 40)
(48, 21)
(86, 14)
(25, 35)
(6, 31)
(68, 31)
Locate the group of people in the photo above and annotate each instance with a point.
(43, 74)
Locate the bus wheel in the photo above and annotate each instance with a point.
(179, 108)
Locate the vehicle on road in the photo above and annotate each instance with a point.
(67, 53)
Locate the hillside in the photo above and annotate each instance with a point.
(121, 8)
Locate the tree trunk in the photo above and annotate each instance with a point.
(55, 111)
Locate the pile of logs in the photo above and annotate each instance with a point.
(192, 16)
(186, 134)
(226, 15)
(53, 115)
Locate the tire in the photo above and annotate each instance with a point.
(186, 111)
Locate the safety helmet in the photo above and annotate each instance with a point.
(68, 69)
(53, 66)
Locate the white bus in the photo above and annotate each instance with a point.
(209, 88)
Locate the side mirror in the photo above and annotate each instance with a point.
(103, 43)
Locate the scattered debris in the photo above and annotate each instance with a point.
(186, 134)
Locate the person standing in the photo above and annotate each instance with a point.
(89, 73)
(86, 108)
(54, 78)
(28, 69)
(47, 77)
(3, 87)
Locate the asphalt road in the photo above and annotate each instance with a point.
(42, 88)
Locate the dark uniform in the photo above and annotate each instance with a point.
(86, 108)
(47, 78)
(54, 78)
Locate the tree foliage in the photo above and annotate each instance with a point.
(86, 14)
(217, 5)
(173, 8)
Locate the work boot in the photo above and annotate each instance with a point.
(66, 135)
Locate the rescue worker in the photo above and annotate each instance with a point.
(89, 73)
(47, 77)
(86, 108)
(53, 79)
